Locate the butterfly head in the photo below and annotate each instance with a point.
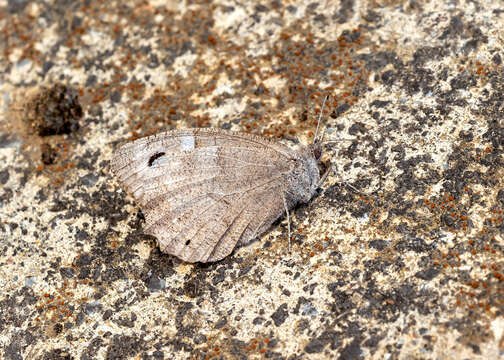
(316, 150)
(324, 168)
(305, 175)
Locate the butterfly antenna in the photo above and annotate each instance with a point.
(319, 119)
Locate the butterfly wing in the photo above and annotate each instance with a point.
(203, 190)
(209, 231)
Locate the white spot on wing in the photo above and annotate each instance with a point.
(186, 143)
(161, 161)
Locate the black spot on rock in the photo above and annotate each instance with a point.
(54, 111)
(258, 320)
(76, 22)
(123, 346)
(16, 6)
(345, 11)
(81, 235)
(49, 154)
(67, 272)
(280, 315)
(342, 301)
(127, 321)
(261, 8)
(13, 351)
(454, 29)
(4, 176)
(92, 307)
(352, 351)
(95, 344)
(340, 110)
(192, 288)
(115, 96)
(83, 260)
(107, 314)
(220, 276)
(448, 220)
(464, 80)
(46, 66)
(429, 53)
(427, 274)
(154, 283)
(84, 272)
(57, 354)
(415, 244)
(378, 244)
(91, 80)
(373, 341)
(246, 269)
(89, 180)
(418, 80)
(221, 323)
(379, 103)
(376, 61)
(58, 328)
(357, 127)
(316, 346)
(497, 59)
(292, 9)
(153, 61)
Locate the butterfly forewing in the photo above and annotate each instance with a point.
(202, 189)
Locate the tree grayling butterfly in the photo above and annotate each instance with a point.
(203, 191)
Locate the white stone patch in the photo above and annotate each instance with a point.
(21, 72)
(168, 4)
(229, 108)
(183, 64)
(222, 89)
(364, 218)
(95, 38)
(224, 21)
(5, 100)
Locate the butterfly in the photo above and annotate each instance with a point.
(205, 191)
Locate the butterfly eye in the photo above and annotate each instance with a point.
(155, 157)
(317, 153)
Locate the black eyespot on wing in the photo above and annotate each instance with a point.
(155, 157)
(188, 242)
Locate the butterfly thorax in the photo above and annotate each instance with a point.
(304, 177)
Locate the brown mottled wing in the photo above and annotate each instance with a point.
(203, 190)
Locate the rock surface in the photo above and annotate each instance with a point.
(401, 254)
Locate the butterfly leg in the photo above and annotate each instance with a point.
(288, 219)
(341, 180)
(324, 176)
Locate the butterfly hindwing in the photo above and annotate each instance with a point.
(211, 233)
